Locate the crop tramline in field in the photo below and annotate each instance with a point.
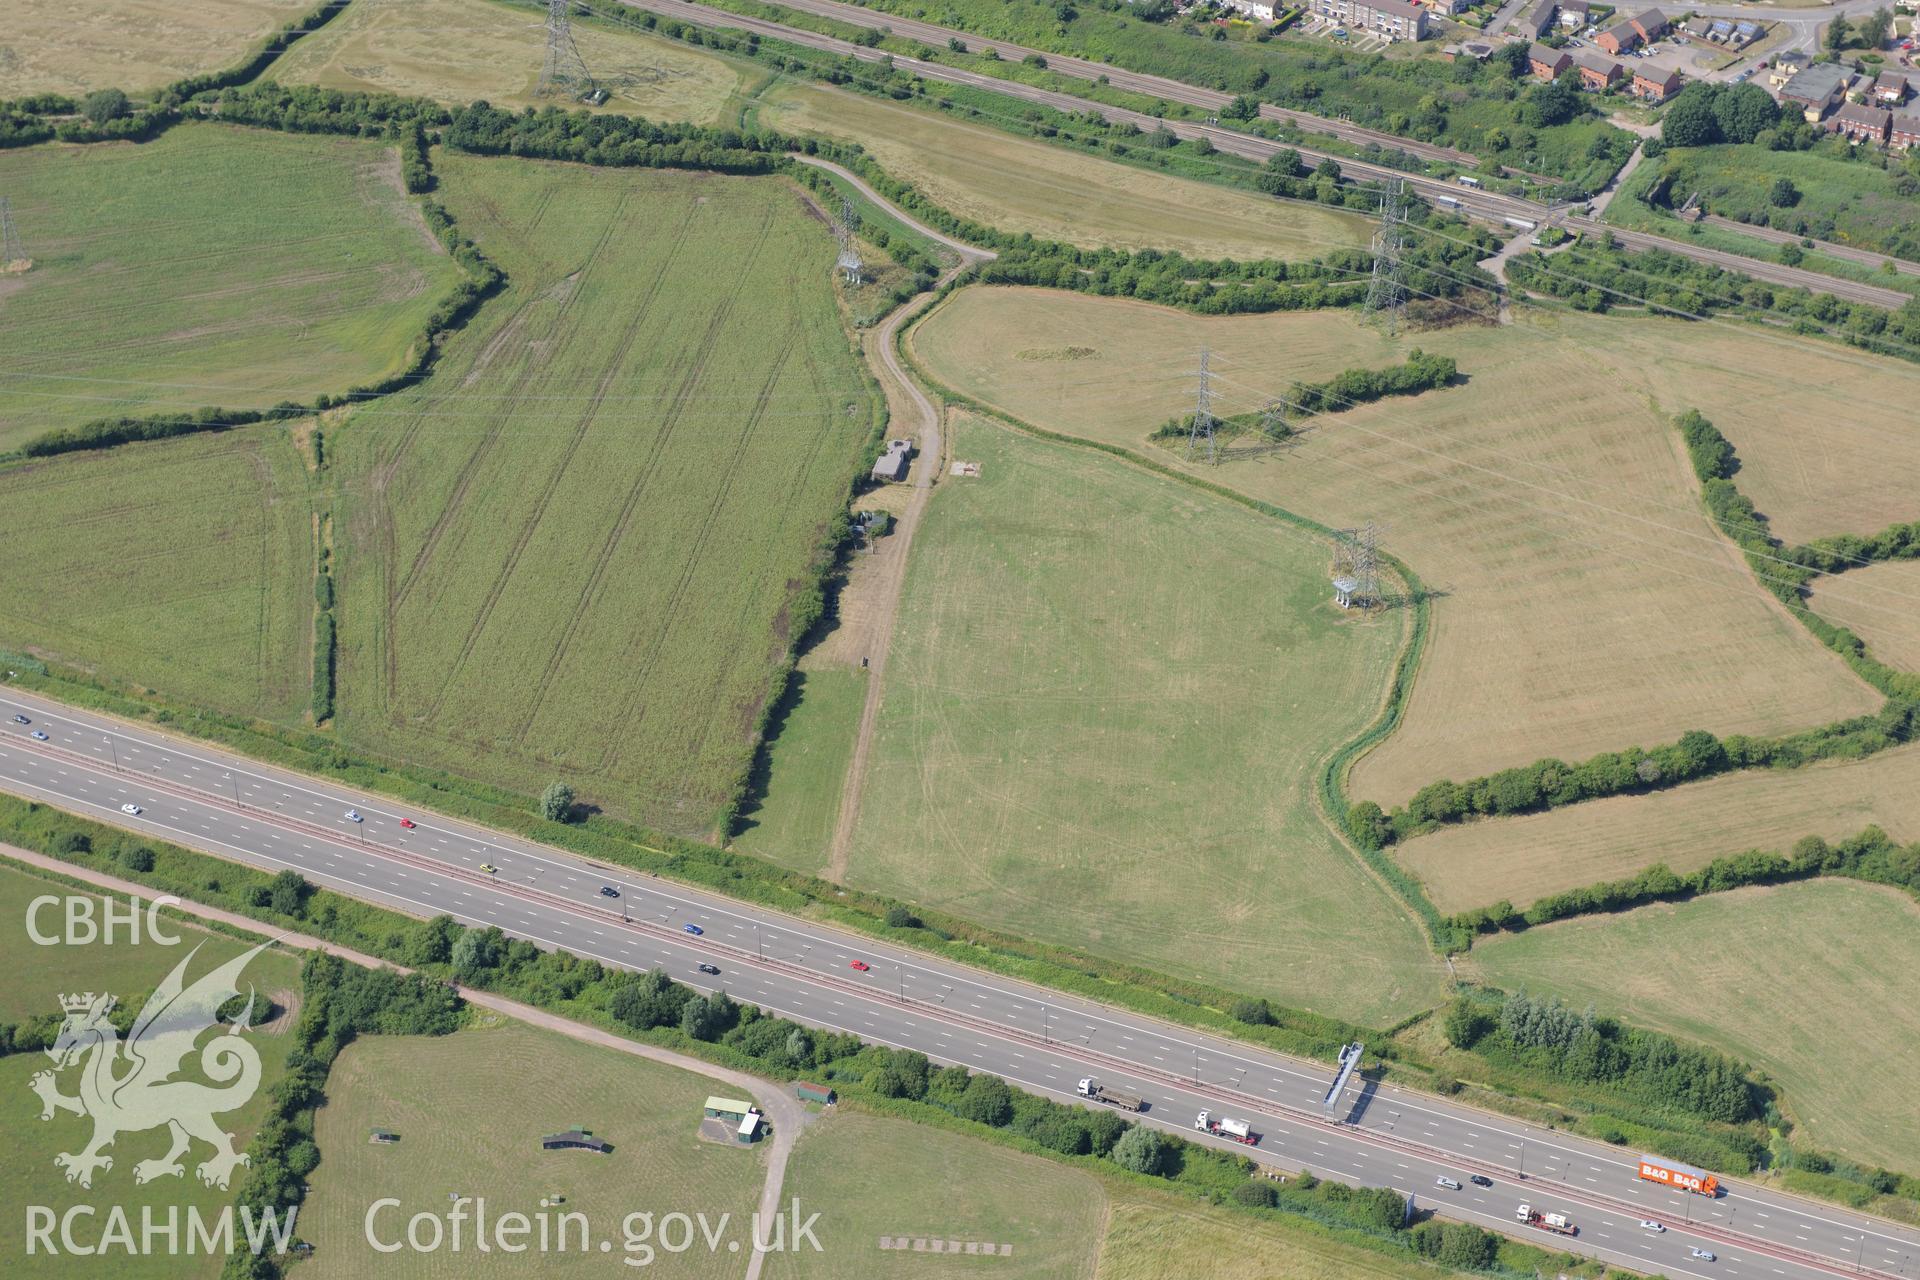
(53, 46)
(1585, 603)
(575, 550)
(213, 266)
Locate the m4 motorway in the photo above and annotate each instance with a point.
(205, 798)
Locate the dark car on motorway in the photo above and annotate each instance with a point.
(1481, 1180)
(608, 891)
(20, 719)
(710, 968)
(693, 929)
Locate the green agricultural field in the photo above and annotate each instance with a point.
(184, 565)
(213, 266)
(51, 46)
(1806, 981)
(38, 976)
(871, 1177)
(470, 1110)
(458, 50)
(1840, 199)
(1105, 700)
(791, 814)
(1017, 184)
(575, 550)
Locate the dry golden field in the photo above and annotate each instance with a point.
(1584, 601)
(56, 46)
(1806, 981)
(1020, 185)
(459, 50)
(1880, 604)
(1522, 859)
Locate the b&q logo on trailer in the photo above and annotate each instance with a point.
(1683, 1176)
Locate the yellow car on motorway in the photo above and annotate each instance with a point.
(488, 867)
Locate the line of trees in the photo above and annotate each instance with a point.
(1870, 856)
(1419, 372)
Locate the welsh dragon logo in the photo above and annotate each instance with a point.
(131, 1087)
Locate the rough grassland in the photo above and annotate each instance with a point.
(459, 50)
(1104, 703)
(470, 1109)
(184, 565)
(1522, 859)
(1881, 604)
(213, 266)
(872, 1177)
(806, 766)
(54, 46)
(1020, 185)
(1806, 981)
(1584, 604)
(1151, 1236)
(572, 552)
(37, 977)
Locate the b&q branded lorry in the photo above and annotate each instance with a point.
(1672, 1173)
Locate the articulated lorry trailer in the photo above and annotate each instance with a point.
(1226, 1127)
(1672, 1173)
(1558, 1223)
(1091, 1088)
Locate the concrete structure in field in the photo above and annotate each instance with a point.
(1395, 19)
(1343, 589)
(891, 466)
(575, 1139)
(1597, 71)
(1547, 63)
(1817, 90)
(1654, 85)
(1858, 122)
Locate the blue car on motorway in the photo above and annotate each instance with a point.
(20, 719)
(40, 734)
(694, 929)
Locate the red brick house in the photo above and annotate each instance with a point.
(1618, 38)
(1655, 85)
(1651, 25)
(1546, 63)
(1861, 123)
(1597, 72)
(1906, 131)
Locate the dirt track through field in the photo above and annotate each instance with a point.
(885, 585)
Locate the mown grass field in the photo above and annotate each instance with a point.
(456, 51)
(38, 976)
(1584, 602)
(1806, 981)
(1016, 184)
(1104, 702)
(574, 550)
(871, 1177)
(1881, 604)
(1840, 199)
(53, 47)
(791, 815)
(212, 266)
(470, 1109)
(184, 565)
(1525, 858)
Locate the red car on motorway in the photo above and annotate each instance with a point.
(407, 823)
(861, 965)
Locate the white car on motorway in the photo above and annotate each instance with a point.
(1648, 1224)
(353, 815)
(133, 809)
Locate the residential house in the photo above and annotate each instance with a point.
(1547, 64)
(1890, 90)
(1618, 38)
(1395, 19)
(1651, 25)
(1597, 71)
(1744, 34)
(1573, 14)
(1258, 10)
(1817, 90)
(1861, 123)
(1905, 133)
(1537, 20)
(1787, 64)
(1446, 8)
(1719, 30)
(1656, 85)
